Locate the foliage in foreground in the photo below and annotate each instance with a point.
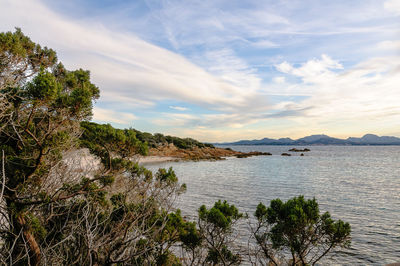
(54, 210)
(296, 227)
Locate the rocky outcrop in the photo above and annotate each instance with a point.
(196, 153)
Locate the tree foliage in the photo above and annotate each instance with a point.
(159, 139)
(216, 227)
(44, 104)
(105, 140)
(296, 227)
(53, 214)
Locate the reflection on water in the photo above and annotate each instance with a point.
(358, 184)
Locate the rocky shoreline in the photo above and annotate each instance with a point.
(169, 152)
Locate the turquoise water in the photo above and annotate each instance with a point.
(358, 184)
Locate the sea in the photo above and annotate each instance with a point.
(357, 184)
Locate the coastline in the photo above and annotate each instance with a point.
(156, 159)
(170, 152)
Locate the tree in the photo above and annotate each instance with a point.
(104, 141)
(296, 227)
(133, 225)
(44, 106)
(50, 212)
(216, 227)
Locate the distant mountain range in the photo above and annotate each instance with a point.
(368, 139)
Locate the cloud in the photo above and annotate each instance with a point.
(211, 22)
(231, 69)
(289, 113)
(264, 44)
(229, 120)
(279, 80)
(175, 120)
(179, 108)
(389, 45)
(110, 116)
(312, 70)
(284, 67)
(392, 6)
(362, 94)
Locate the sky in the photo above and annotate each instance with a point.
(225, 70)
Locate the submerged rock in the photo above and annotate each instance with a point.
(252, 153)
(299, 150)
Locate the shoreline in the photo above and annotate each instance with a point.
(157, 159)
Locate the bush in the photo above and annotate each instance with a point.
(296, 227)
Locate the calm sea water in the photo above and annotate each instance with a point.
(358, 184)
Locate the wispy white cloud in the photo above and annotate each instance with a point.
(284, 67)
(233, 70)
(312, 70)
(264, 44)
(175, 120)
(109, 116)
(179, 108)
(263, 23)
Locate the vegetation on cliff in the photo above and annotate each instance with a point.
(159, 139)
(131, 142)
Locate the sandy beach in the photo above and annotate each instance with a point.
(156, 159)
